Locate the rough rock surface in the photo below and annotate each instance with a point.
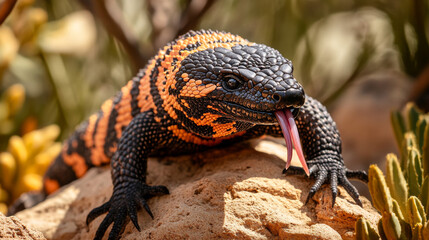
(12, 228)
(233, 193)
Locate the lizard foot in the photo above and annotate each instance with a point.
(332, 172)
(126, 200)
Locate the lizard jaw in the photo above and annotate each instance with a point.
(256, 116)
(290, 132)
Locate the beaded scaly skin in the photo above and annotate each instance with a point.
(204, 89)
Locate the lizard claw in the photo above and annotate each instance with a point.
(357, 174)
(96, 212)
(320, 179)
(353, 192)
(123, 206)
(334, 172)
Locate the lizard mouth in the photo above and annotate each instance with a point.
(247, 114)
(290, 133)
(285, 119)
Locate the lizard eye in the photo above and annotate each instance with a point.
(231, 82)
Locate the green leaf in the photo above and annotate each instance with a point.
(425, 152)
(381, 230)
(416, 213)
(412, 113)
(361, 229)
(408, 144)
(425, 231)
(413, 172)
(391, 225)
(420, 133)
(396, 181)
(378, 188)
(424, 194)
(406, 232)
(419, 169)
(399, 127)
(397, 209)
(417, 232)
(364, 231)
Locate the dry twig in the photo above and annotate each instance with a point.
(5, 9)
(167, 18)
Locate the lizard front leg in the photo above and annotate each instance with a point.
(129, 163)
(321, 144)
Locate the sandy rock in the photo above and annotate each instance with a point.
(233, 193)
(12, 228)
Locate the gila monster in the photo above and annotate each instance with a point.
(204, 89)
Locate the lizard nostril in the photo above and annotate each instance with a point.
(295, 97)
(276, 97)
(289, 98)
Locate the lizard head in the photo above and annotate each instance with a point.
(244, 83)
(218, 84)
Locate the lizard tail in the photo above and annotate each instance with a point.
(75, 159)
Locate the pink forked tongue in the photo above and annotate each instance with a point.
(289, 129)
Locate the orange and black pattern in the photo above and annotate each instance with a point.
(174, 86)
(204, 89)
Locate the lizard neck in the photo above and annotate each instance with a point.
(171, 89)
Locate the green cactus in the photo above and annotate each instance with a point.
(379, 191)
(413, 114)
(415, 211)
(364, 231)
(380, 230)
(425, 231)
(396, 181)
(420, 131)
(399, 128)
(391, 225)
(424, 194)
(425, 152)
(392, 216)
(414, 172)
(402, 197)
